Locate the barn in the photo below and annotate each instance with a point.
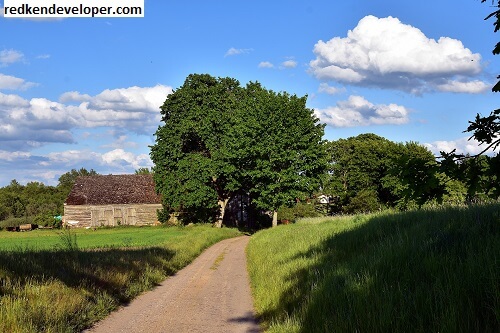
(112, 200)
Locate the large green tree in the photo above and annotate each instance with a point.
(220, 139)
(368, 172)
(190, 155)
(358, 174)
(286, 153)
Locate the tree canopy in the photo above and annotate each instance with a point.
(220, 140)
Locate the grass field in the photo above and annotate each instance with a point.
(423, 271)
(63, 282)
(46, 239)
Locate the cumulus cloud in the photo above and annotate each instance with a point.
(265, 64)
(234, 51)
(31, 123)
(120, 157)
(357, 111)
(473, 87)
(462, 146)
(14, 83)
(385, 53)
(8, 57)
(289, 64)
(10, 156)
(25, 166)
(74, 96)
(325, 88)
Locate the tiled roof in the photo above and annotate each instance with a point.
(113, 189)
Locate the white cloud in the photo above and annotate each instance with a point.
(265, 64)
(462, 146)
(119, 157)
(139, 99)
(74, 96)
(120, 142)
(325, 88)
(472, 87)
(34, 122)
(385, 53)
(8, 57)
(26, 167)
(10, 156)
(233, 51)
(289, 64)
(43, 56)
(357, 111)
(14, 83)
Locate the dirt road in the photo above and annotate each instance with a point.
(212, 294)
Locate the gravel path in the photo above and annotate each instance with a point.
(212, 294)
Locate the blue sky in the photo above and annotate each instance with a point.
(85, 92)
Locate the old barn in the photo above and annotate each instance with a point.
(112, 200)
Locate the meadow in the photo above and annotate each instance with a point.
(433, 270)
(60, 281)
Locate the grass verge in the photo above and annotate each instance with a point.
(65, 288)
(422, 271)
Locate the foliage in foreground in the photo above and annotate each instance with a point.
(420, 271)
(66, 290)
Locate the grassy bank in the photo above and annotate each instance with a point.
(56, 286)
(423, 271)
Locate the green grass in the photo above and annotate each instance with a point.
(47, 284)
(422, 271)
(45, 239)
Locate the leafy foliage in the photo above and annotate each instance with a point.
(486, 129)
(365, 172)
(35, 202)
(221, 139)
(67, 180)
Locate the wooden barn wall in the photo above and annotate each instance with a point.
(111, 215)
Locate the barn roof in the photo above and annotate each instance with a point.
(113, 189)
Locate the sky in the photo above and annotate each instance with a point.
(86, 92)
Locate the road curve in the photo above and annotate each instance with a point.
(212, 294)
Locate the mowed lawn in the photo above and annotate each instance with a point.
(46, 239)
(56, 281)
(435, 270)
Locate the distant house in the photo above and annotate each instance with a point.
(112, 200)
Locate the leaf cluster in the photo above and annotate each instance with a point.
(220, 139)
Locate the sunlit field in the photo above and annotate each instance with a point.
(422, 271)
(53, 281)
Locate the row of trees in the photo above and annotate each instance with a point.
(220, 140)
(223, 145)
(35, 202)
(369, 173)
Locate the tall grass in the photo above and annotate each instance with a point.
(423, 271)
(66, 288)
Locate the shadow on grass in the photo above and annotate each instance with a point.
(423, 271)
(109, 271)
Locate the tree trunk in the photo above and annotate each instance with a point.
(275, 218)
(222, 210)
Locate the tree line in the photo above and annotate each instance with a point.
(227, 150)
(35, 202)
